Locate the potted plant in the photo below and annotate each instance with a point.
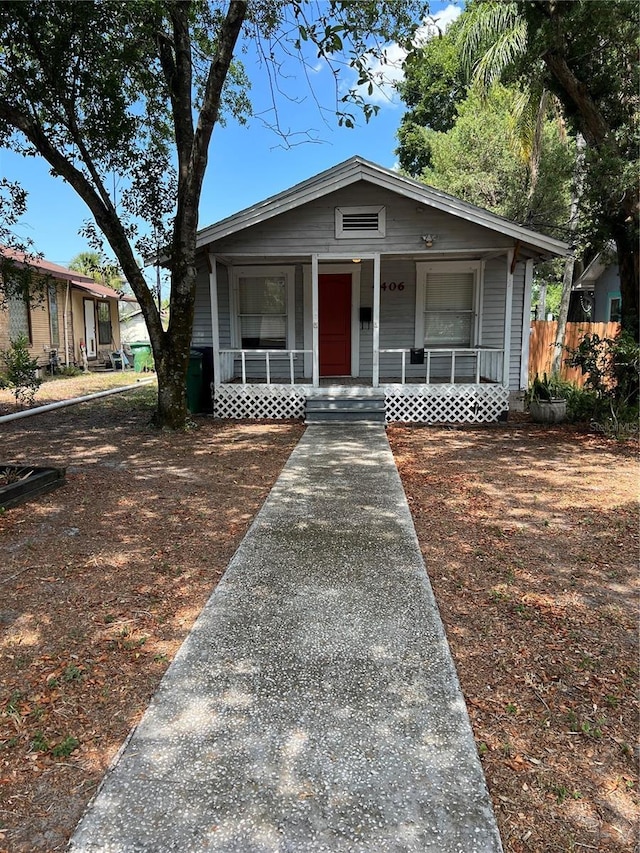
(547, 404)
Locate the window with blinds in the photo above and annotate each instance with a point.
(360, 221)
(262, 312)
(448, 309)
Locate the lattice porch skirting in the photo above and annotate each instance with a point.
(430, 404)
(445, 404)
(259, 401)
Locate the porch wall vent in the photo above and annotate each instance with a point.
(365, 221)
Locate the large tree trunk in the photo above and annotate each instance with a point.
(563, 313)
(623, 219)
(570, 263)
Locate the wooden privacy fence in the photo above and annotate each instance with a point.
(542, 340)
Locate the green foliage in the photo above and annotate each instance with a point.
(20, 371)
(434, 84)
(69, 372)
(547, 388)
(475, 161)
(94, 265)
(585, 53)
(65, 747)
(612, 370)
(127, 95)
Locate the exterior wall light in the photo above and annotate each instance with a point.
(428, 240)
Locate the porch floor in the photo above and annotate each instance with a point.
(315, 705)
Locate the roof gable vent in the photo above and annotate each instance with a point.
(363, 221)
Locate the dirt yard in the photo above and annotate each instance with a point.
(530, 539)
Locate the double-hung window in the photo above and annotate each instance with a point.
(264, 307)
(446, 305)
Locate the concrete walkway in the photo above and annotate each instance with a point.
(314, 707)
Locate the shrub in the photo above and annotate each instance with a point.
(612, 377)
(20, 371)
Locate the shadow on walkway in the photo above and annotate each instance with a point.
(314, 706)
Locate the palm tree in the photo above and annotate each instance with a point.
(90, 264)
(585, 52)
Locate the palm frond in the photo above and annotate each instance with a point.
(505, 48)
(482, 25)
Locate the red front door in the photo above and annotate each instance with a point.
(334, 321)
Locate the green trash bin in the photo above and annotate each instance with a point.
(142, 357)
(194, 382)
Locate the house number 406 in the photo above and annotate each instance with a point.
(392, 285)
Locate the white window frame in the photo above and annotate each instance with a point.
(286, 272)
(612, 296)
(423, 270)
(381, 230)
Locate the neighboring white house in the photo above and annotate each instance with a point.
(133, 328)
(361, 281)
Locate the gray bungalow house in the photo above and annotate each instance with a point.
(365, 289)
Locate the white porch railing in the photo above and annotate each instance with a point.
(488, 362)
(228, 357)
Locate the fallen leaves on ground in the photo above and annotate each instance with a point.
(101, 580)
(530, 538)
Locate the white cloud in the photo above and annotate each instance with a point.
(387, 71)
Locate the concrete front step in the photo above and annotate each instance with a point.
(345, 410)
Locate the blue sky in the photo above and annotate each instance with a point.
(246, 163)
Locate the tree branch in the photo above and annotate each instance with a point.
(590, 121)
(105, 216)
(229, 33)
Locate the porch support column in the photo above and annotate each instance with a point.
(526, 325)
(375, 379)
(508, 306)
(215, 328)
(315, 338)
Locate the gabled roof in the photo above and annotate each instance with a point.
(594, 270)
(77, 279)
(357, 169)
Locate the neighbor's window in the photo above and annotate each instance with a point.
(448, 309)
(615, 309)
(54, 319)
(104, 323)
(262, 311)
(19, 319)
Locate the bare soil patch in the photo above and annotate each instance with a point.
(530, 538)
(101, 581)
